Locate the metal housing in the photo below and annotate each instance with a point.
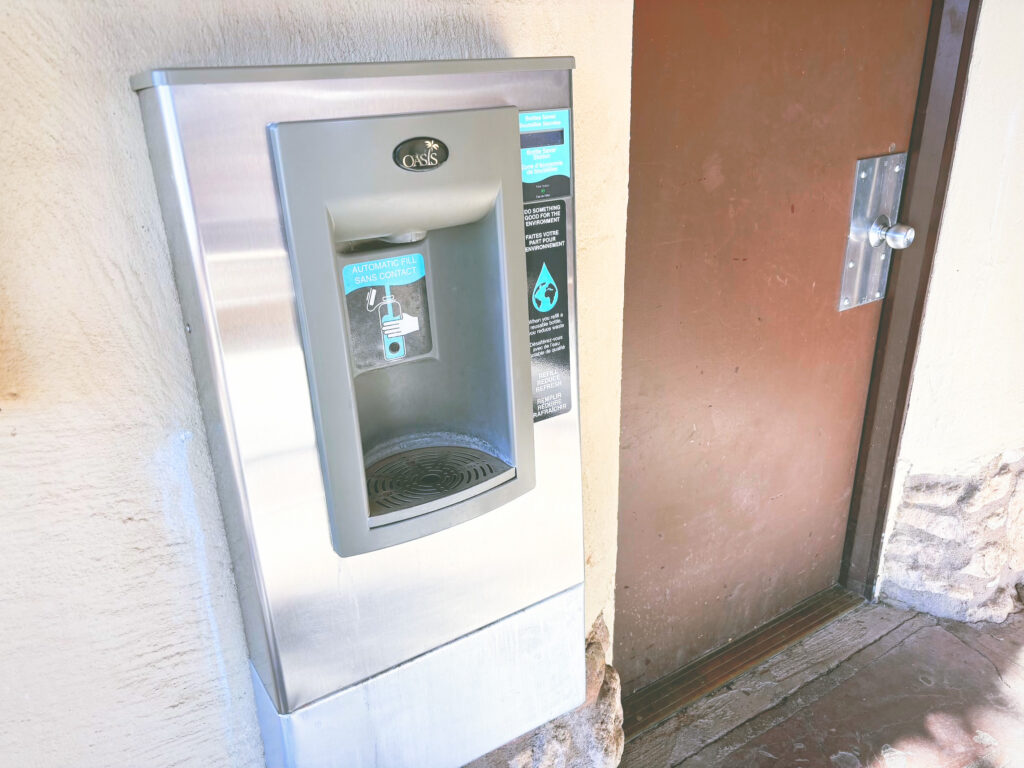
(393, 630)
(472, 388)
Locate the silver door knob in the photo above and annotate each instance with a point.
(896, 236)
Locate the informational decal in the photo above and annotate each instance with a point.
(547, 282)
(545, 143)
(388, 315)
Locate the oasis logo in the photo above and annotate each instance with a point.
(420, 154)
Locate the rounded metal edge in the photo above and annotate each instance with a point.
(282, 72)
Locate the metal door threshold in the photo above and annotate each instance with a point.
(658, 701)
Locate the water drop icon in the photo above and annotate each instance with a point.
(545, 292)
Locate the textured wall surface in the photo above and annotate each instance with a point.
(956, 548)
(121, 641)
(966, 413)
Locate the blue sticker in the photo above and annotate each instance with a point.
(545, 141)
(388, 311)
(397, 270)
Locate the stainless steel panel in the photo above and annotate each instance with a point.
(317, 623)
(207, 75)
(447, 707)
(877, 188)
(183, 241)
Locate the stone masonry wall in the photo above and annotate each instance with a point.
(956, 547)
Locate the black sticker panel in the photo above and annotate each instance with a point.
(547, 282)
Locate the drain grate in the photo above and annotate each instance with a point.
(422, 475)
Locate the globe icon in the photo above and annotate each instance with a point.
(545, 292)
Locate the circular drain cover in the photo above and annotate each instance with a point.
(422, 475)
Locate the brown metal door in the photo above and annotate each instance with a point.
(743, 388)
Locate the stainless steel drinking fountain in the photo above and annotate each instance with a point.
(376, 268)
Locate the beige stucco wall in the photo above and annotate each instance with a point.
(966, 411)
(121, 642)
(967, 402)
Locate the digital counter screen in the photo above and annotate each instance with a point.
(542, 139)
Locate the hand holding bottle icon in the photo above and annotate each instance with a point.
(395, 324)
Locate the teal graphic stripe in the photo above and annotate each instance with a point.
(395, 270)
(543, 162)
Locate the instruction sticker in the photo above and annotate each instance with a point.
(388, 314)
(545, 143)
(547, 282)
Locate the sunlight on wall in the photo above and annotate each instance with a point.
(118, 601)
(965, 422)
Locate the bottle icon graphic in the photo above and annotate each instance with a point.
(394, 324)
(394, 347)
(545, 292)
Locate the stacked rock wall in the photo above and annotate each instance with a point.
(956, 548)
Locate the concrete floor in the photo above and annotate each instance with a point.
(878, 688)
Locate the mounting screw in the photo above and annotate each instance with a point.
(897, 169)
(846, 302)
(882, 256)
(188, 328)
(863, 174)
(850, 265)
(878, 294)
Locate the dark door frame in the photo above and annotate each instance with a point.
(947, 57)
